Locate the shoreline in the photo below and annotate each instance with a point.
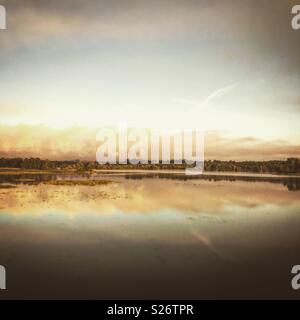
(205, 173)
(18, 171)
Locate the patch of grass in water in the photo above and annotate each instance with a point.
(79, 182)
(7, 186)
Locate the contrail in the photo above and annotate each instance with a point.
(217, 94)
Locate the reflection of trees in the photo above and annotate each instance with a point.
(293, 184)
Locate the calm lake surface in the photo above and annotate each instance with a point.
(149, 236)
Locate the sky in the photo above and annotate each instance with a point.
(229, 67)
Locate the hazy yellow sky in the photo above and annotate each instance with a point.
(230, 67)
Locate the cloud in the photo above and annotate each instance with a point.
(80, 143)
(221, 146)
(32, 21)
(250, 29)
(46, 142)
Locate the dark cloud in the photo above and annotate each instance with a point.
(253, 30)
(261, 20)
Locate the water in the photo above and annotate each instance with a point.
(149, 236)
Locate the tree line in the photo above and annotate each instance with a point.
(289, 166)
